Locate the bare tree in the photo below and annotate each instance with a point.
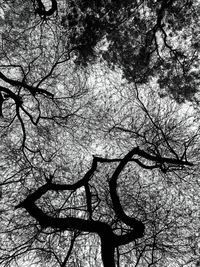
(94, 169)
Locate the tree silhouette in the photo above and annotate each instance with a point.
(99, 146)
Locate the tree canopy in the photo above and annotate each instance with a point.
(99, 119)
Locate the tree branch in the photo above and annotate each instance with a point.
(33, 90)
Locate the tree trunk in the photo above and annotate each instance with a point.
(107, 252)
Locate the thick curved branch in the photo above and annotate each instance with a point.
(33, 90)
(59, 187)
(109, 240)
(70, 223)
(137, 225)
(9, 93)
